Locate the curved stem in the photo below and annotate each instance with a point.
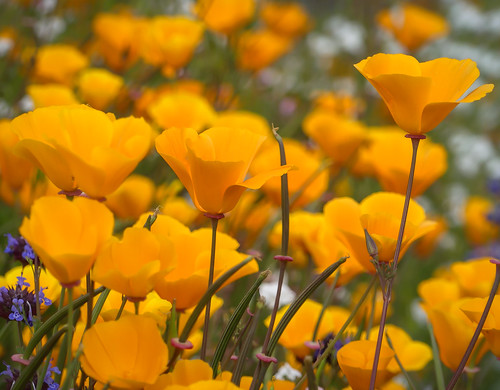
(415, 140)
(479, 327)
(203, 352)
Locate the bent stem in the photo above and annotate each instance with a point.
(214, 218)
(415, 140)
(479, 327)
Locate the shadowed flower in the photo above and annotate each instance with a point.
(132, 198)
(182, 109)
(225, 16)
(411, 25)
(134, 264)
(474, 308)
(67, 235)
(128, 354)
(78, 147)
(289, 19)
(213, 165)
(420, 95)
(391, 158)
(309, 177)
(99, 87)
(356, 361)
(44, 95)
(258, 49)
(479, 229)
(116, 38)
(59, 63)
(339, 137)
(380, 215)
(170, 40)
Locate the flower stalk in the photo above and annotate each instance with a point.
(388, 279)
(214, 219)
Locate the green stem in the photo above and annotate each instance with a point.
(90, 302)
(325, 305)
(70, 327)
(415, 139)
(203, 353)
(122, 306)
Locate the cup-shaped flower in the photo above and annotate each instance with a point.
(225, 16)
(289, 19)
(300, 330)
(420, 95)
(182, 109)
(339, 137)
(380, 215)
(67, 235)
(59, 63)
(44, 95)
(474, 308)
(78, 147)
(479, 229)
(258, 49)
(391, 158)
(309, 177)
(134, 264)
(128, 354)
(413, 355)
(132, 198)
(213, 165)
(356, 361)
(99, 87)
(170, 40)
(14, 170)
(411, 25)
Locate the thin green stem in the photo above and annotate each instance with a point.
(325, 305)
(122, 306)
(203, 353)
(415, 139)
(70, 328)
(90, 302)
(479, 327)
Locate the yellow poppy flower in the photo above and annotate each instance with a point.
(128, 354)
(225, 16)
(339, 103)
(308, 177)
(380, 215)
(289, 19)
(356, 360)
(99, 87)
(170, 40)
(338, 136)
(67, 235)
(59, 63)
(420, 95)
(78, 147)
(474, 308)
(414, 355)
(45, 95)
(256, 50)
(213, 165)
(474, 276)
(478, 229)
(14, 170)
(117, 38)
(132, 198)
(411, 25)
(301, 327)
(391, 158)
(134, 264)
(182, 109)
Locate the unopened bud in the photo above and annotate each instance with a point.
(371, 246)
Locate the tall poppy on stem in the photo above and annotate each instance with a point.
(213, 167)
(419, 96)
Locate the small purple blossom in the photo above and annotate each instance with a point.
(42, 298)
(19, 249)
